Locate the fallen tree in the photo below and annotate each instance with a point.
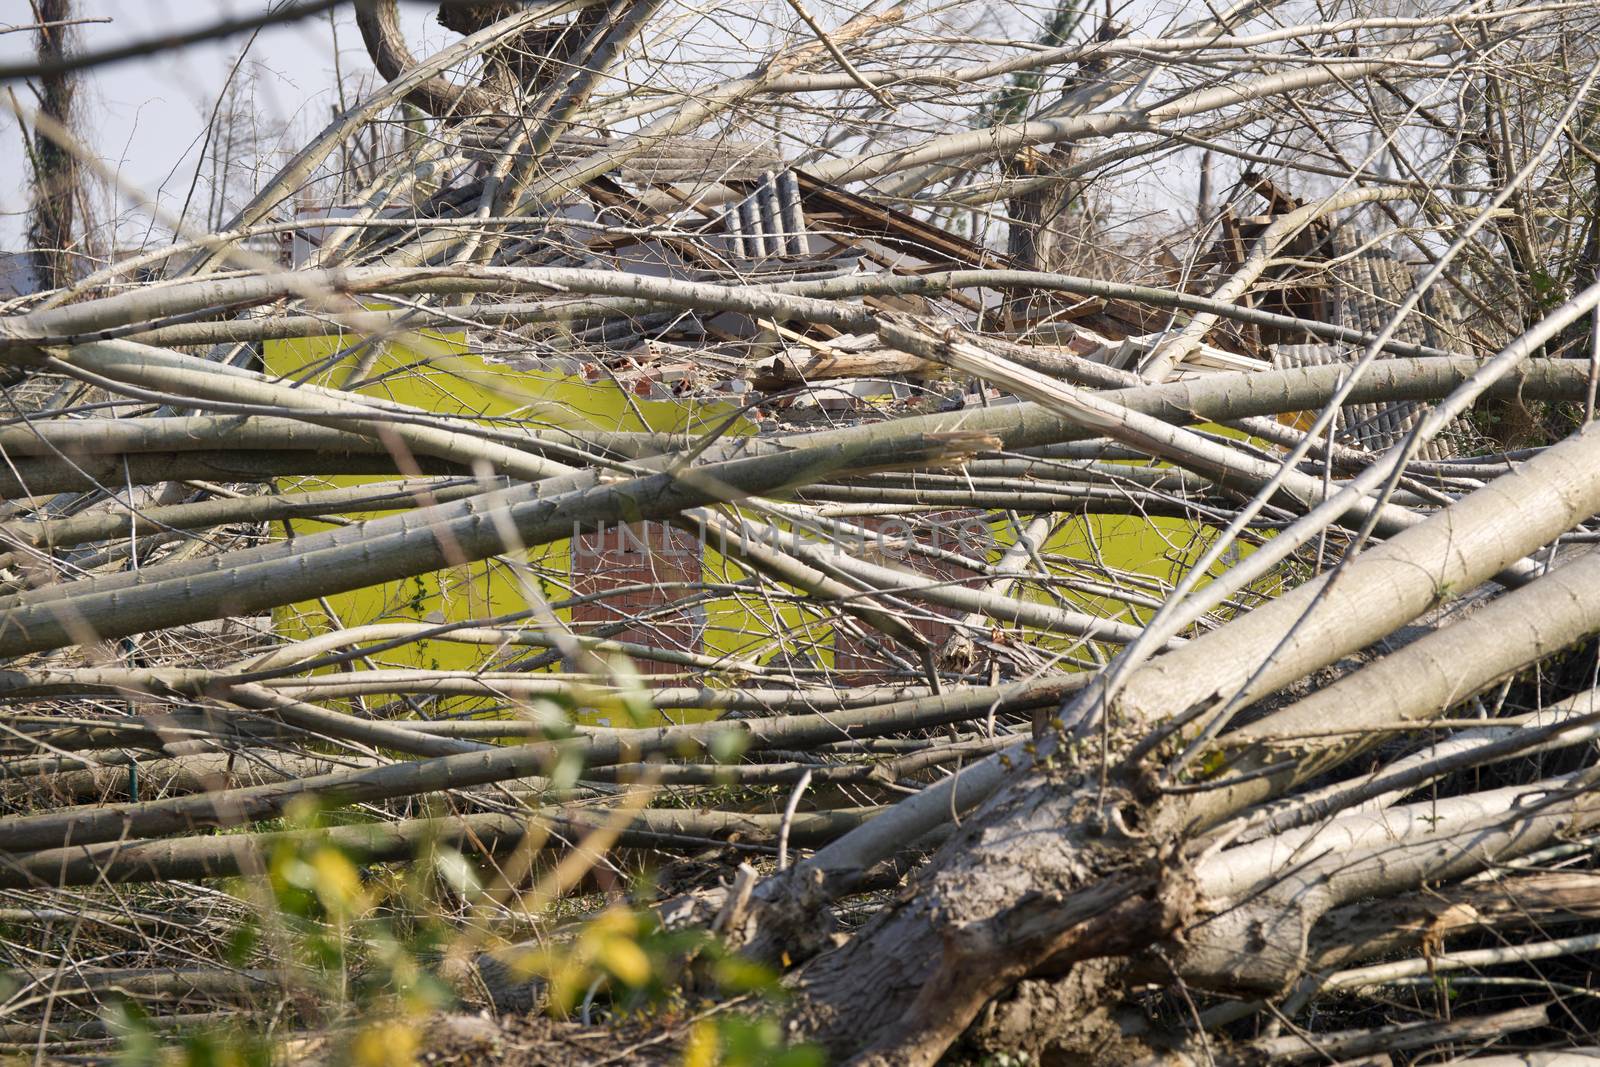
(611, 558)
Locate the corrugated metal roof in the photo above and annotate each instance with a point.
(770, 221)
(1368, 288)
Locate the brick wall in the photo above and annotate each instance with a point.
(649, 554)
(645, 554)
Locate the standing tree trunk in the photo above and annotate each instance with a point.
(55, 169)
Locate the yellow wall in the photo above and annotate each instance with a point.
(435, 372)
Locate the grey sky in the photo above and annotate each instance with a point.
(145, 118)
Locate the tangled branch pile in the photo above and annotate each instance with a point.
(864, 507)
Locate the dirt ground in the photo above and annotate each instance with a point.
(539, 1041)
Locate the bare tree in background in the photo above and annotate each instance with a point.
(56, 183)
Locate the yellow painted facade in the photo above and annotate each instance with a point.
(436, 372)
